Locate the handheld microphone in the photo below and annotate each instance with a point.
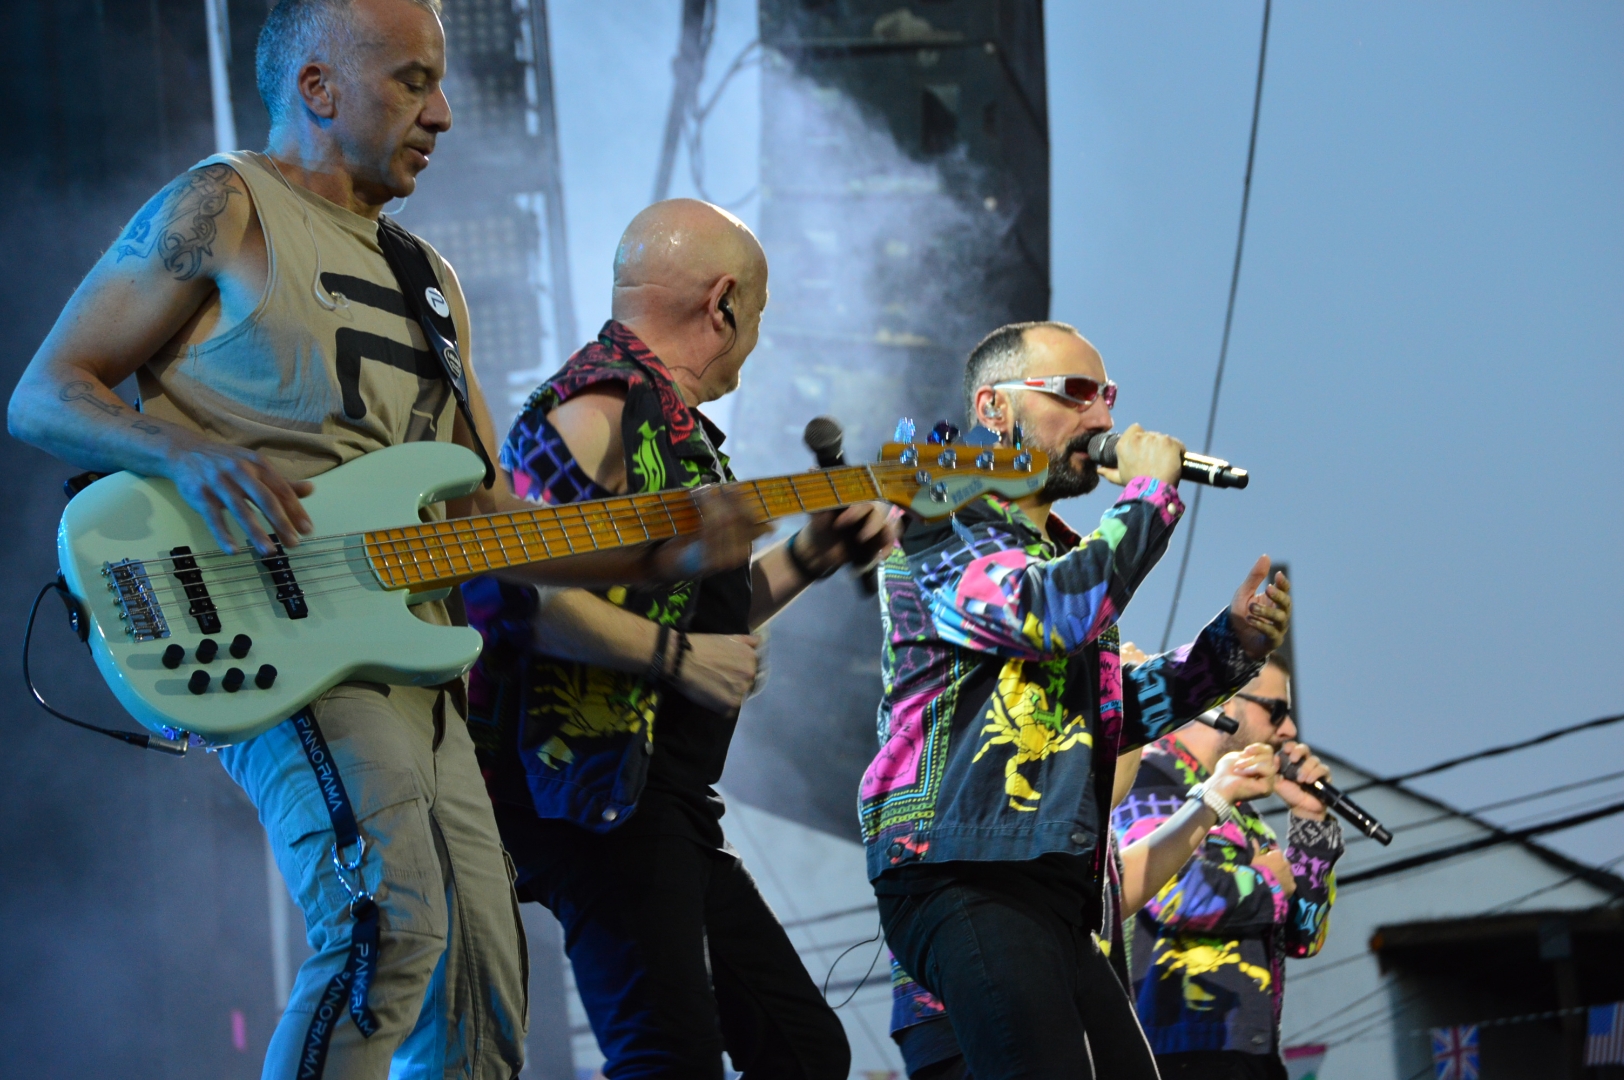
(825, 438)
(1346, 808)
(1198, 468)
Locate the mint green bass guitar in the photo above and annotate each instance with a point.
(224, 646)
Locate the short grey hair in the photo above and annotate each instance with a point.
(1001, 357)
(295, 32)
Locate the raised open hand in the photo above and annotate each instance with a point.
(1260, 619)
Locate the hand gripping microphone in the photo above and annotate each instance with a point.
(1198, 468)
(1345, 807)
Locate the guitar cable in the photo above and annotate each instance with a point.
(879, 934)
(81, 628)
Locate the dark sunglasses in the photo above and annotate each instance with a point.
(1279, 708)
(1078, 389)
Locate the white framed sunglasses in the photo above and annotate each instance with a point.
(1077, 389)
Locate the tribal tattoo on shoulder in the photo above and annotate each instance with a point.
(179, 223)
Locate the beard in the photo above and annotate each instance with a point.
(1065, 481)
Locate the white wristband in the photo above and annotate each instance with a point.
(1213, 801)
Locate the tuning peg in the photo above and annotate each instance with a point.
(944, 433)
(905, 430)
(1015, 436)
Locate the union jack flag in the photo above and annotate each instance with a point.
(1454, 1053)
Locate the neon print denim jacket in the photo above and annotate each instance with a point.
(1004, 696)
(1211, 946)
(584, 735)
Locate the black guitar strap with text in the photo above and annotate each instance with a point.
(348, 990)
(428, 305)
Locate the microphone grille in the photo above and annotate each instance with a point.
(1102, 448)
(823, 433)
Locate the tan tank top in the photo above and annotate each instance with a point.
(329, 366)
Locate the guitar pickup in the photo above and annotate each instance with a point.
(197, 594)
(138, 606)
(287, 586)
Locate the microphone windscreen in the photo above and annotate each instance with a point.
(824, 435)
(1102, 448)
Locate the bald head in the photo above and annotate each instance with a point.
(691, 282)
(674, 253)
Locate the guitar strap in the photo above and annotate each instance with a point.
(355, 980)
(427, 304)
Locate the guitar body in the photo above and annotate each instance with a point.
(343, 624)
(168, 611)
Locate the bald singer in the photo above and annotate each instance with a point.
(604, 718)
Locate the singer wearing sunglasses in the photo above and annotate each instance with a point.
(986, 811)
(1244, 898)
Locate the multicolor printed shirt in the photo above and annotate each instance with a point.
(584, 735)
(1212, 944)
(1005, 703)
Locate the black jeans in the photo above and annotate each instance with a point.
(676, 955)
(1029, 995)
(1221, 1065)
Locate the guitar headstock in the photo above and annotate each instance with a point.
(935, 479)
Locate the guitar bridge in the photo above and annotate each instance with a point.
(287, 586)
(138, 606)
(197, 593)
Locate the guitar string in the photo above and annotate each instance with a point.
(780, 491)
(564, 529)
(352, 583)
(304, 549)
(506, 535)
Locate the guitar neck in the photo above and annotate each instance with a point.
(441, 553)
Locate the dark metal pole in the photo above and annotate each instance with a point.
(552, 184)
(698, 24)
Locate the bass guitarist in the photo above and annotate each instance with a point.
(270, 342)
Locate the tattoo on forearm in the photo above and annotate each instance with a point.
(179, 223)
(86, 392)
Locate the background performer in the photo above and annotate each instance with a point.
(609, 716)
(1212, 945)
(919, 1022)
(1005, 706)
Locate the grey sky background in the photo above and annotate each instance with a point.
(1425, 371)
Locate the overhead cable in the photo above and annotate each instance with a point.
(1229, 319)
(1498, 837)
(1493, 751)
(1455, 815)
(1543, 889)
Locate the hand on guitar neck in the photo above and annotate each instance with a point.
(727, 531)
